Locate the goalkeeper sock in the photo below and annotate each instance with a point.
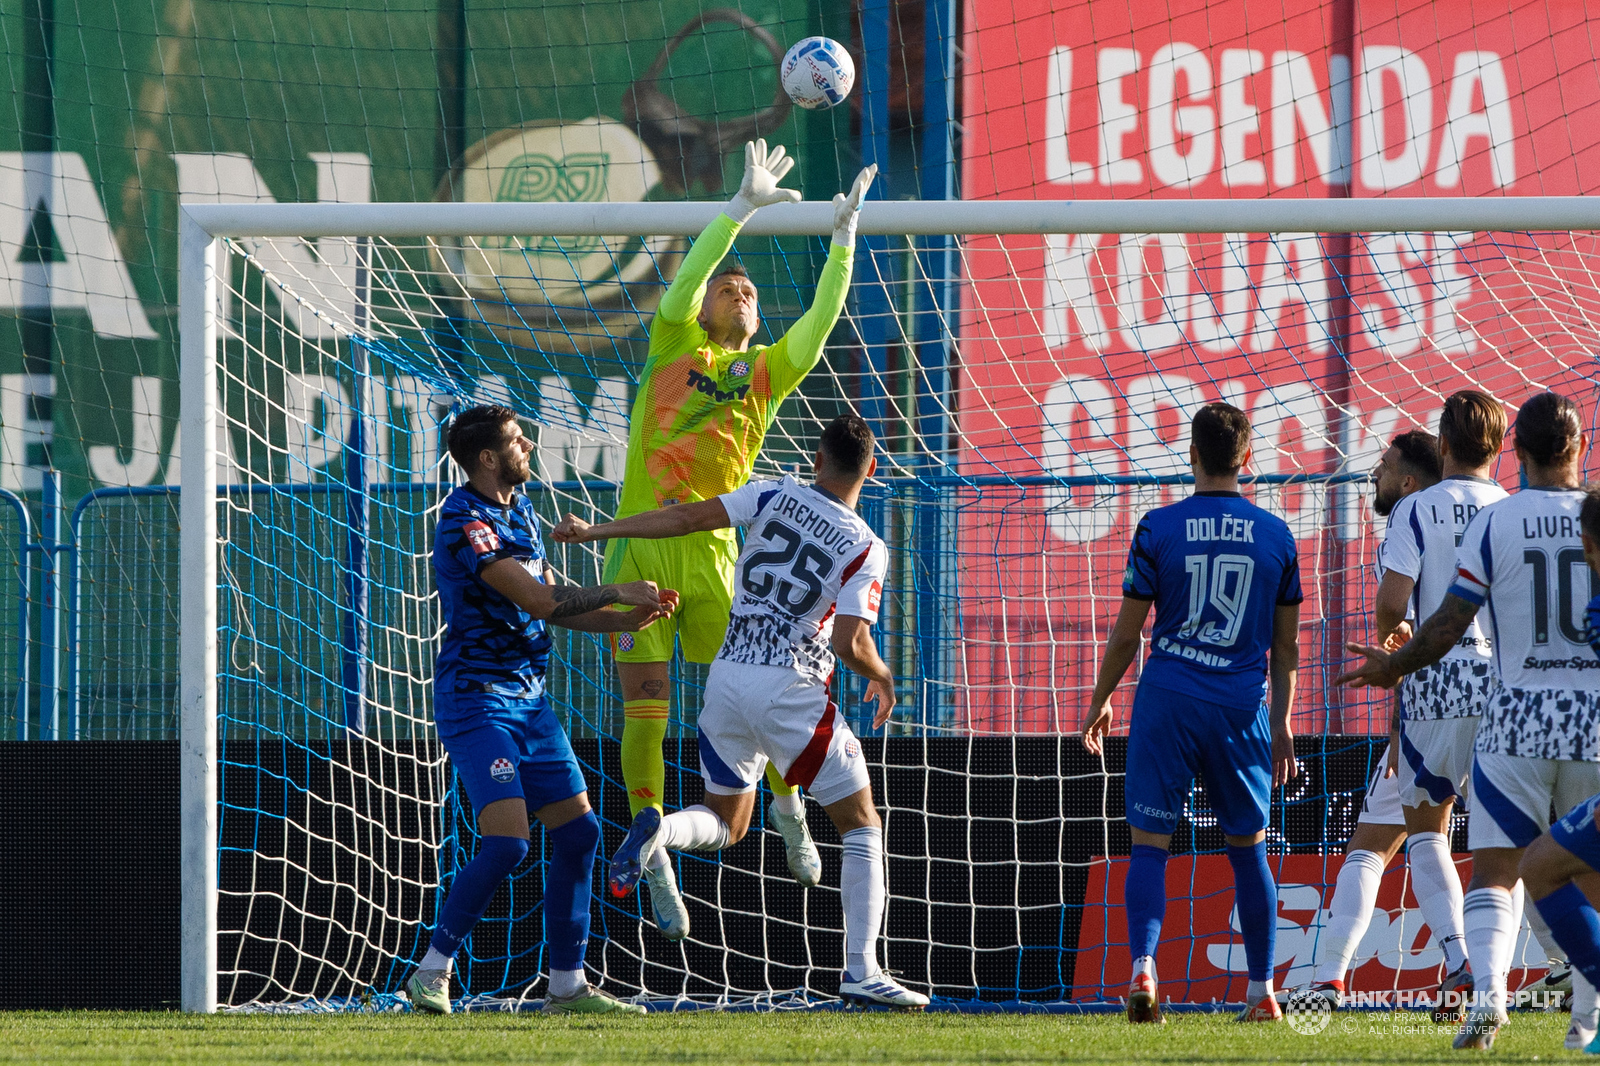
(567, 890)
(1145, 895)
(1487, 919)
(473, 889)
(1255, 898)
(644, 771)
(694, 828)
(1438, 890)
(1355, 893)
(785, 798)
(1576, 925)
(862, 891)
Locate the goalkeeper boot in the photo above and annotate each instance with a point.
(589, 1000)
(1455, 992)
(879, 990)
(1143, 1006)
(627, 865)
(672, 917)
(804, 861)
(429, 991)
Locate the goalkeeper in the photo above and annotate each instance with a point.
(706, 399)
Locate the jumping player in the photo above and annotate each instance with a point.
(809, 580)
(1538, 743)
(705, 401)
(1410, 463)
(1224, 576)
(498, 593)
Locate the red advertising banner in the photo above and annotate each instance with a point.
(1084, 355)
(1201, 956)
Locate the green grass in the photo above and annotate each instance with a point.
(665, 1039)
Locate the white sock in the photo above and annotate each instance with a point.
(659, 859)
(694, 828)
(1355, 893)
(435, 960)
(1584, 1010)
(862, 888)
(1547, 940)
(789, 805)
(1519, 898)
(1488, 923)
(1256, 991)
(1145, 964)
(1438, 890)
(565, 983)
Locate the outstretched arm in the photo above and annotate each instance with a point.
(565, 605)
(1442, 631)
(762, 172)
(674, 521)
(799, 350)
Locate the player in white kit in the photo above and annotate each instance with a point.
(1408, 465)
(807, 586)
(1538, 743)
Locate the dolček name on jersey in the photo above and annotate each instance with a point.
(1224, 527)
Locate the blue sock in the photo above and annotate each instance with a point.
(1576, 926)
(1145, 893)
(568, 886)
(474, 888)
(1255, 897)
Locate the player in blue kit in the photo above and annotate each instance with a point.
(497, 593)
(1224, 576)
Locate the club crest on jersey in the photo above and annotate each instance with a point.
(625, 642)
(481, 537)
(739, 369)
(502, 770)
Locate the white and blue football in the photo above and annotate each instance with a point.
(818, 73)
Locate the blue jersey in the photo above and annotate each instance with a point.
(1218, 567)
(490, 646)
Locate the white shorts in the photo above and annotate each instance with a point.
(1436, 760)
(1382, 805)
(759, 714)
(1512, 796)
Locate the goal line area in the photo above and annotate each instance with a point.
(1029, 368)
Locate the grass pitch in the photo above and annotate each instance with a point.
(705, 1037)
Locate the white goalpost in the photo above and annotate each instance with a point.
(1028, 365)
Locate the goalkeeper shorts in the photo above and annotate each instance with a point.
(699, 567)
(1172, 737)
(755, 714)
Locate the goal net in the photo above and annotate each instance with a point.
(1030, 372)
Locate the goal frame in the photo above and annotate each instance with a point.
(203, 226)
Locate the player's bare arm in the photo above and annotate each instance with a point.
(569, 605)
(675, 521)
(1389, 609)
(853, 644)
(1121, 647)
(1285, 662)
(1441, 632)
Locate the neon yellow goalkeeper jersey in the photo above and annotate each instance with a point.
(702, 411)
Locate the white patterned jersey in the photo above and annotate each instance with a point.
(1425, 530)
(806, 554)
(1522, 560)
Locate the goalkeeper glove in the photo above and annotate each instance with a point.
(762, 172)
(847, 208)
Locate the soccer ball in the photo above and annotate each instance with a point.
(817, 73)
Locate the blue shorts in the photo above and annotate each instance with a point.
(506, 748)
(1173, 737)
(1576, 832)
